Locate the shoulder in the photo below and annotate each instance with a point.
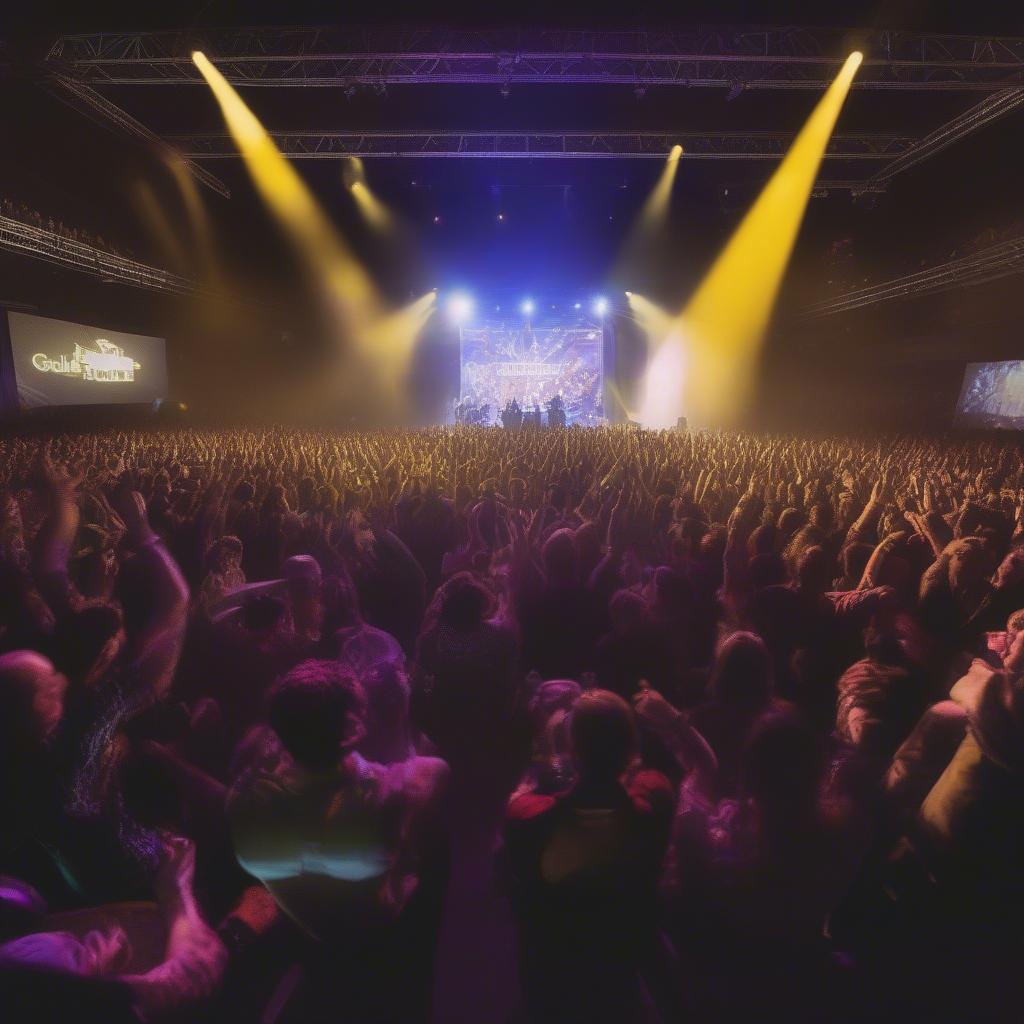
(419, 778)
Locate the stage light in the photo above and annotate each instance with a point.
(460, 307)
(577, 305)
(199, 221)
(600, 306)
(350, 290)
(641, 245)
(656, 323)
(527, 307)
(437, 219)
(375, 212)
(720, 331)
(160, 227)
(501, 216)
(353, 175)
(374, 343)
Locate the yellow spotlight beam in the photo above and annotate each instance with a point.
(199, 222)
(375, 212)
(723, 325)
(656, 323)
(656, 206)
(650, 220)
(395, 336)
(293, 204)
(159, 226)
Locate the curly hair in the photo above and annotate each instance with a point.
(317, 710)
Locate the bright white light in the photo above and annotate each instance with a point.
(600, 306)
(664, 384)
(460, 307)
(577, 305)
(527, 307)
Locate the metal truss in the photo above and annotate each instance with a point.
(310, 145)
(990, 264)
(988, 110)
(755, 58)
(97, 107)
(27, 240)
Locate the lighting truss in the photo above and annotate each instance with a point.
(990, 264)
(988, 110)
(311, 145)
(756, 58)
(730, 58)
(97, 107)
(28, 240)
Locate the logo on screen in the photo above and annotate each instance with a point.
(106, 362)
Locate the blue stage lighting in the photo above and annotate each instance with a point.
(527, 307)
(460, 307)
(577, 305)
(600, 306)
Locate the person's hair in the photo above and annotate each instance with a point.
(17, 714)
(559, 556)
(855, 560)
(672, 588)
(263, 613)
(790, 520)
(462, 602)
(341, 603)
(317, 710)
(782, 765)
(814, 572)
(627, 608)
(79, 638)
(743, 671)
(1015, 623)
(227, 544)
(604, 735)
(244, 492)
(766, 570)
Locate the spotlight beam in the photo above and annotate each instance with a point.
(287, 195)
(642, 243)
(723, 325)
(656, 323)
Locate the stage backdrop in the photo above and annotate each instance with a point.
(62, 363)
(533, 362)
(992, 396)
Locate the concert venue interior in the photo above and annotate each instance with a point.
(511, 515)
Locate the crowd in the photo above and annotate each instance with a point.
(473, 724)
(28, 215)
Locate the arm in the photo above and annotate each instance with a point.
(56, 537)
(195, 958)
(157, 645)
(690, 749)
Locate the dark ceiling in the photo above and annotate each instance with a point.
(564, 221)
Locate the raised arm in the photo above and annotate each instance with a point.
(156, 646)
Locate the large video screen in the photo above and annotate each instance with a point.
(992, 396)
(532, 363)
(62, 363)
